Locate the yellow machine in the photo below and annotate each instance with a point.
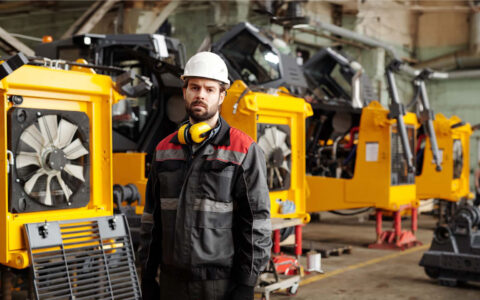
(57, 210)
(357, 156)
(145, 116)
(277, 123)
(452, 183)
(364, 167)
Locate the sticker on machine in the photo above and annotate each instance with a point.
(371, 152)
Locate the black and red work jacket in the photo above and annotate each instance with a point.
(211, 209)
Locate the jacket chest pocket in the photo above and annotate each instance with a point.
(170, 177)
(216, 180)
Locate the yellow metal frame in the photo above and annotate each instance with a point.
(283, 109)
(371, 182)
(130, 168)
(45, 88)
(441, 185)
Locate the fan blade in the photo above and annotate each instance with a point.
(66, 131)
(270, 136)
(32, 137)
(75, 150)
(48, 195)
(285, 166)
(66, 190)
(48, 127)
(265, 146)
(270, 178)
(27, 158)
(279, 137)
(279, 176)
(285, 150)
(75, 171)
(31, 182)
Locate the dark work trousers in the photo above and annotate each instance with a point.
(477, 199)
(179, 289)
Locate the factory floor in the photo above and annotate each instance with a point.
(370, 273)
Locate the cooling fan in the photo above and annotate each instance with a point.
(51, 159)
(275, 143)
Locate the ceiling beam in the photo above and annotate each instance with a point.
(90, 18)
(161, 17)
(12, 45)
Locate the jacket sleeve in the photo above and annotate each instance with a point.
(151, 220)
(252, 229)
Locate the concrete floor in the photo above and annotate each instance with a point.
(370, 273)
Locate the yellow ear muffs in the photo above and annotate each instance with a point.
(181, 134)
(199, 132)
(195, 133)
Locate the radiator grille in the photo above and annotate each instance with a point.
(87, 259)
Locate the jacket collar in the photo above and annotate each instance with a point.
(222, 138)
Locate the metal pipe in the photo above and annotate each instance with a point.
(356, 86)
(356, 37)
(429, 125)
(397, 111)
(348, 34)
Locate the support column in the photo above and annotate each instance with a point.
(276, 241)
(378, 223)
(298, 240)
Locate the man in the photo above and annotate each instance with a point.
(477, 185)
(211, 235)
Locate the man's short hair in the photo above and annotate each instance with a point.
(223, 86)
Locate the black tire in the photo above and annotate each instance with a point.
(432, 272)
(293, 290)
(314, 217)
(448, 282)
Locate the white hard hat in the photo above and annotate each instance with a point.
(206, 65)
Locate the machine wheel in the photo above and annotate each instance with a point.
(293, 290)
(315, 217)
(7, 284)
(448, 282)
(432, 272)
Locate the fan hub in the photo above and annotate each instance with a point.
(56, 159)
(277, 157)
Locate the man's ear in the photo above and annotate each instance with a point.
(222, 96)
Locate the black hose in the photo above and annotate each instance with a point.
(360, 211)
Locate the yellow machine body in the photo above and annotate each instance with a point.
(371, 184)
(452, 183)
(61, 90)
(252, 110)
(129, 168)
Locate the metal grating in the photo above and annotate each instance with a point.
(83, 259)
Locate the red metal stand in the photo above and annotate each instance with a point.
(298, 240)
(284, 263)
(396, 239)
(276, 241)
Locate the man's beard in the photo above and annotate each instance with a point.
(198, 116)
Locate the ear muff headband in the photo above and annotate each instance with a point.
(195, 133)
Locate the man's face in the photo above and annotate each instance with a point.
(202, 98)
